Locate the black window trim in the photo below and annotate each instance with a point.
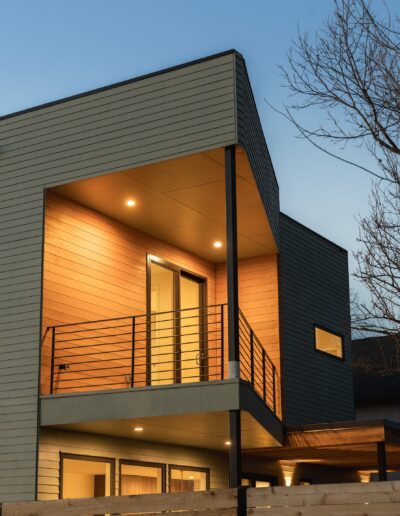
(188, 468)
(159, 465)
(88, 458)
(329, 330)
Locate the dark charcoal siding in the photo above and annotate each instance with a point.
(171, 114)
(314, 289)
(251, 137)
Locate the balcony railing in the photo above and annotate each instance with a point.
(162, 348)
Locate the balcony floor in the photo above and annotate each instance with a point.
(193, 414)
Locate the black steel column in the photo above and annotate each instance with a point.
(232, 261)
(235, 449)
(381, 455)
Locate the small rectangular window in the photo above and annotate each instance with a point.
(328, 342)
(141, 477)
(185, 478)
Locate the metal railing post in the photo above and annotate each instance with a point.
(53, 345)
(222, 342)
(264, 377)
(133, 351)
(274, 387)
(252, 357)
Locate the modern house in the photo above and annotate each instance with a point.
(164, 327)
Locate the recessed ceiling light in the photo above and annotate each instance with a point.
(217, 244)
(190, 477)
(227, 443)
(138, 429)
(130, 202)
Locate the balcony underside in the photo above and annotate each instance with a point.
(194, 414)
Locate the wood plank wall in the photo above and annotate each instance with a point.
(95, 268)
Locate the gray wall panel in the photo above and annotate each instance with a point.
(171, 114)
(250, 135)
(313, 290)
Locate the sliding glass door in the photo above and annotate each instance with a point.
(176, 343)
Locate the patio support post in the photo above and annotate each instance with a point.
(381, 456)
(235, 448)
(232, 261)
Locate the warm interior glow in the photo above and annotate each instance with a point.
(227, 443)
(138, 429)
(217, 244)
(130, 202)
(288, 479)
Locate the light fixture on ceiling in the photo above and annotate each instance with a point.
(130, 203)
(138, 429)
(191, 477)
(228, 443)
(217, 244)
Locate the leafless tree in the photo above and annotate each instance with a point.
(350, 70)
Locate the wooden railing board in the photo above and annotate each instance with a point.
(374, 499)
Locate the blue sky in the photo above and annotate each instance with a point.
(54, 48)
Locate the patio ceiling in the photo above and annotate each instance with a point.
(182, 202)
(202, 430)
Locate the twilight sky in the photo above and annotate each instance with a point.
(50, 49)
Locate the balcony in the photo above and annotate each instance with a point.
(164, 348)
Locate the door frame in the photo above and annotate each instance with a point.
(202, 280)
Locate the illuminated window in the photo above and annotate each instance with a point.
(328, 342)
(182, 479)
(258, 480)
(141, 477)
(86, 477)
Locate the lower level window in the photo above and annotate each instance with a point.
(141, 478)
(86, 477)
(183, 479)
(257, 480)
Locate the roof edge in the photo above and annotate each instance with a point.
(120, 83)
(314, 232)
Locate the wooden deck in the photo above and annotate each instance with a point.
(375, 499)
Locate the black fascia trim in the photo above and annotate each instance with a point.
(121, 83)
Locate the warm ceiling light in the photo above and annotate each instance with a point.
(217, 244)
(190, 477)
(227, 443)
(130, 202)
(138, 429)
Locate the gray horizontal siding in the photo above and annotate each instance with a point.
(250, 135)
(313, 290)
(180, 112)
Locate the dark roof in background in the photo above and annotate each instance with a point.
(376, 363)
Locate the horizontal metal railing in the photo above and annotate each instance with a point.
(188, 345)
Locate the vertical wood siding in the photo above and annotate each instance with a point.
(180, 112)
(314, 289)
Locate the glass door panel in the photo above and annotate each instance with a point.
(162, 330)
(190, 329)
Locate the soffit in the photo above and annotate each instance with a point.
(182, 202)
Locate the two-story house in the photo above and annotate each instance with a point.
(164, 327)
